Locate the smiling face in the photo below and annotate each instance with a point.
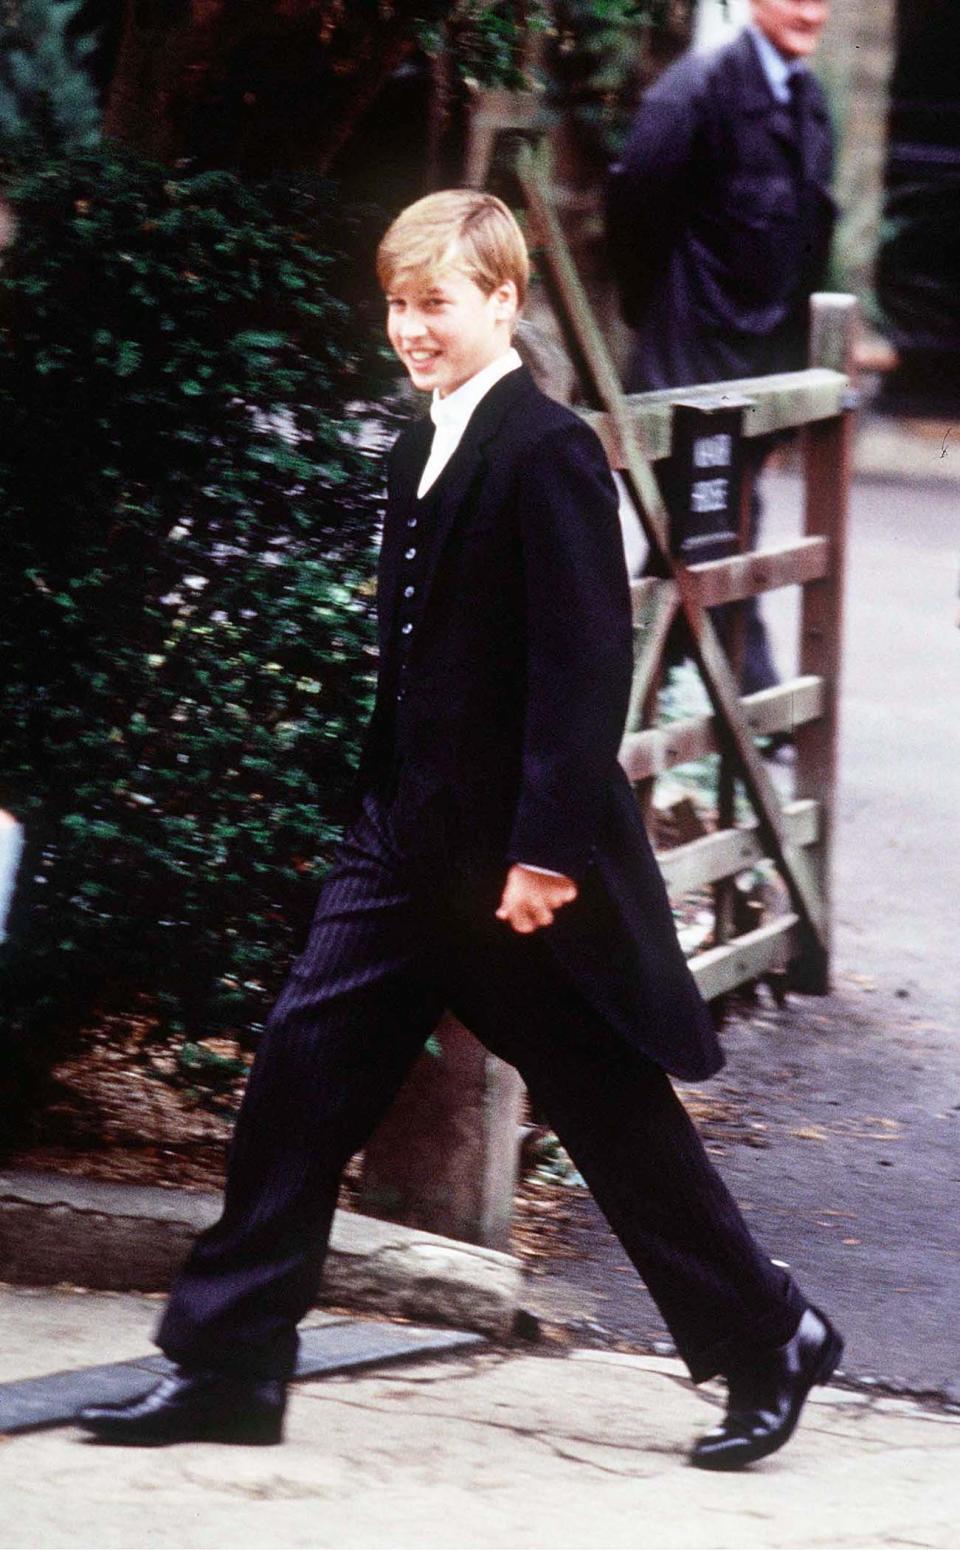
(445, 328)
(793, 26)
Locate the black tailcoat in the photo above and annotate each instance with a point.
(499, 713)
(719, 221)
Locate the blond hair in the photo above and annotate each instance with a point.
(459, 228)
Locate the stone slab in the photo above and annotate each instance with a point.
(56, 1399)
(52, 1328)
(125, 1237)
(356, 1344)
(346, 1345)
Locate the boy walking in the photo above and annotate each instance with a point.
(499, 868)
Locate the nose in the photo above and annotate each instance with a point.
(411, 327)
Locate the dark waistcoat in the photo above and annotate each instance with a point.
(418, 528)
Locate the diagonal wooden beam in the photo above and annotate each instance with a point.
(655, 604)
(603, 380)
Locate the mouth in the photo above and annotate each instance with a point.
(420, 360)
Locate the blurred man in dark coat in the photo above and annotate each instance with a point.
(720, 218)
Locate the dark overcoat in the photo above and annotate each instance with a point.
(500, 713)
(719, 221)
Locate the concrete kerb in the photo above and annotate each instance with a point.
(122, 1237)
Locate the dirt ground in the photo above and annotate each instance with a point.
(123, 1112)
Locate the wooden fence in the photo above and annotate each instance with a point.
(637, 432)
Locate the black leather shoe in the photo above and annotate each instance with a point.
(198, 1406)
(765, 1399)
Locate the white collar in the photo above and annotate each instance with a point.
(776, 69)
(453, 412)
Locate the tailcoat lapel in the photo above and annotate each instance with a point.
(454, 486)
(467, 466)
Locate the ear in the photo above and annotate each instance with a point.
(506, 301)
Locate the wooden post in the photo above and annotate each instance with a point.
(655, 604)
(445, 1157)
(827, 460)
(725, 890)
(491, 113)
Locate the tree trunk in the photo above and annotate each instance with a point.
(149, 59)
(257, 85)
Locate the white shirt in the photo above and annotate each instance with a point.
(451, 415)
(776, 69)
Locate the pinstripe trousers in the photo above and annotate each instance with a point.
(391, 947)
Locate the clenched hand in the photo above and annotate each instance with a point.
(531, 898)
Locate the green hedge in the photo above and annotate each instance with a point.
(186, 638)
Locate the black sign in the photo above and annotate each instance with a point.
(705, 480)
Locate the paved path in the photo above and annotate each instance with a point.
(839, 1134)
(578, 1450)
(898, 836)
